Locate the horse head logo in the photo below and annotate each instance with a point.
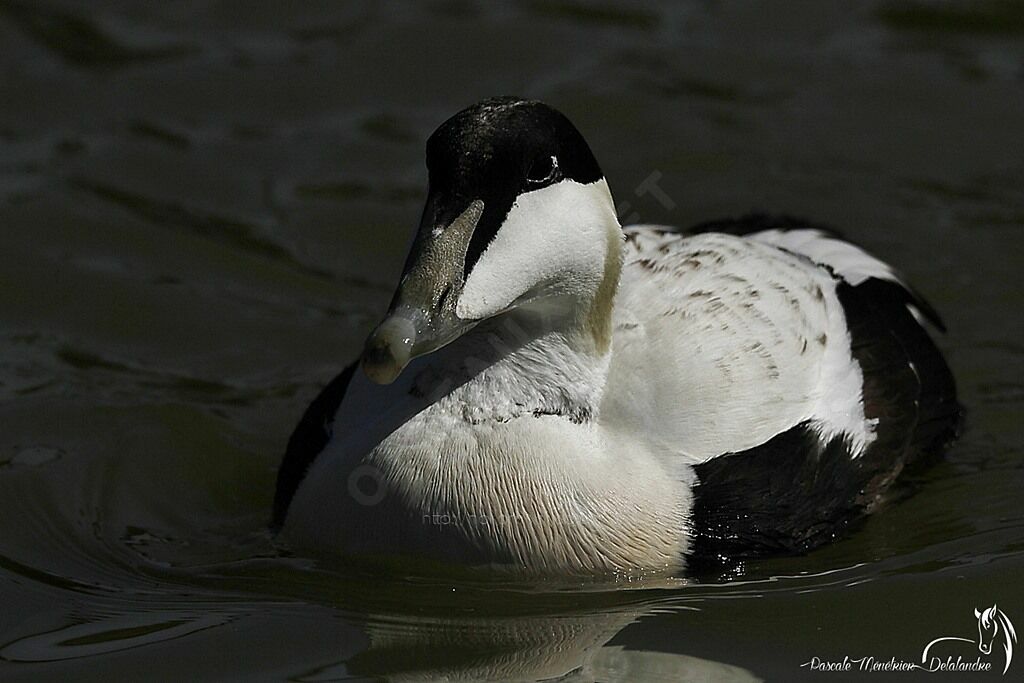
(993, 624)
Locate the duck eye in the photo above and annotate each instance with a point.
(542, 170)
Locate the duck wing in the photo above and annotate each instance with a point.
(834, 422)
(722, 342)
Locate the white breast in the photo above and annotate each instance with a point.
(474, 474)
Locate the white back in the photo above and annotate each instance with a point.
(720, 343)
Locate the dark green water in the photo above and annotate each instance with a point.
(203, 206)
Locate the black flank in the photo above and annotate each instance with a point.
(307, 441)
(787, 495)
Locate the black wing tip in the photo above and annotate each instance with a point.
(924, 308)
(899, 290)
(904, 371)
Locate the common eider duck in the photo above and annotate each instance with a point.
(550, 393)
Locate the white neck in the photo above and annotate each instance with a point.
(526, 362)
(547, 357)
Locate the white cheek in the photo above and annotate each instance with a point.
(553, 238)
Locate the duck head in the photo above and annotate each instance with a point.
(517, 214)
